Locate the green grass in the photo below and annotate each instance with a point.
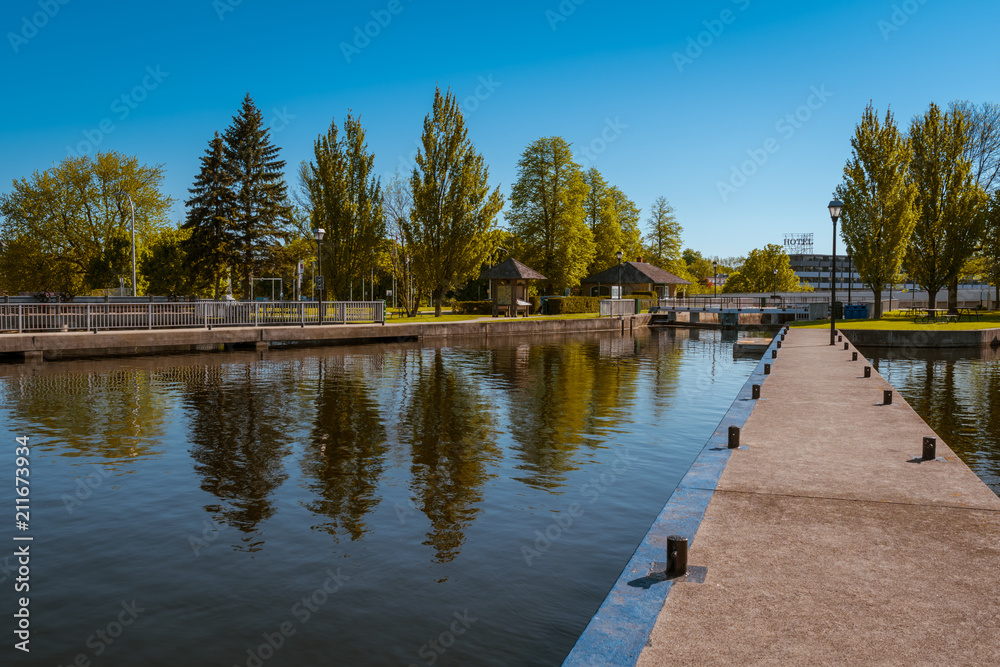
(896, 321)
(446, 316)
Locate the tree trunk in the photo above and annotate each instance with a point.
(931, 298)
(877, 306)
(953, 296)
(436, 295)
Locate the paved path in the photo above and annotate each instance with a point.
(826, 544)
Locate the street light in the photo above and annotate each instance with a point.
(835, 207)
(318, 235)
(850, 277)
(132, 206)
(775, 294)
(619, 256)
(715, 277)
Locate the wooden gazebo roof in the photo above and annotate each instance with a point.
(511, 269)
(636, 273)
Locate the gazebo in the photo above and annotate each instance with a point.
(509, 287)
(634, 277)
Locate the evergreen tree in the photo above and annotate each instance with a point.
(211, 209)
(663, 243)
(345, 198)
(878, 216)
(548, 214)
(950, 206)
(453, 213)
(261, 212)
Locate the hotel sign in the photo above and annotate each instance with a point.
(799, 244)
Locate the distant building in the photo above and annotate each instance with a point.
(635, 277)
(815, 270)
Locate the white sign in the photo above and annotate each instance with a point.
(302, 267)
(616, 292)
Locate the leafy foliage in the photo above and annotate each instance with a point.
(569, 305)
(663, 242)
(758, 273)
(548, 214)
(453, 211)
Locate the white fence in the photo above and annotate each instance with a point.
(176, 315)
(616, 307)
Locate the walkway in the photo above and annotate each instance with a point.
(827, 543)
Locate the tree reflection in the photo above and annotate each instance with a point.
(240, 434)
(346, 455)
(448, 426)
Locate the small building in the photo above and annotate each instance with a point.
(635, 277)
(509, 287)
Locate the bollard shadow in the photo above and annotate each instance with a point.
(920, 459)
(658, 574)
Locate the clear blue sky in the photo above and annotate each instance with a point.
(671, 127)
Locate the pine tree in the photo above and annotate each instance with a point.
(210, 212)
(878, 216)
(950, 206)
(261, 212)
(454, 213)
(663, 243)
(345, 198)
(548, 214)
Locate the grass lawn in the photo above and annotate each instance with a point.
(896, 321)
(447, 316)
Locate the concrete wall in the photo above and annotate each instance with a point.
(921, 339)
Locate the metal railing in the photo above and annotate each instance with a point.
(616, 307)
(742, 302)
(176, 315)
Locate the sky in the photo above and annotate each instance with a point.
(739, 112)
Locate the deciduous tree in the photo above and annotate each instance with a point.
(758, 273)
(548, 214)
(878, 216)
(663, 242)
(453, 209)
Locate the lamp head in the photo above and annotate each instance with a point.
(835, 207)
(619, 255)
(319, 233)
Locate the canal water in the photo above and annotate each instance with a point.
(460, 504)
(957, 392)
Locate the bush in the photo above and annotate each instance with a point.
(643, 295)
(536, 303)
(472, 308)
(569, 305)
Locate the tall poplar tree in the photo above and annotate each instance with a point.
(628, 215)
(548, 214)
(344, 197)
(602, 219)
(663, 243)
(211, 209)
(453, 210)
(261, 211)
(950, 206)
(878, 216)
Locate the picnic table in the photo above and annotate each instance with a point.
(968, 313)
(933, 315)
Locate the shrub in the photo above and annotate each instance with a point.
(569, 305)
(536, 303)
(642, 295)
(472, 308)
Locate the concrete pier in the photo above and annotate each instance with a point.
(825, 538)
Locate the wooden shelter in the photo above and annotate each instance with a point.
(509, 287)
(635, 277)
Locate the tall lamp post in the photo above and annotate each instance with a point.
(318, 235)
(619, 256)
(715, 278)
(132, 206)
(850, 275)
(775, 294)
(835, 207)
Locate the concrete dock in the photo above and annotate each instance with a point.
(827, 540)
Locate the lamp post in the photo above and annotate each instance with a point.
(850, 275)
(132, 206)
(318, 235)
(775, 294)
(835, 207)
(715, 278)
(619, 256)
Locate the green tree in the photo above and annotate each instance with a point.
(950, 206)
(878, 216)
(453, 210)
(663, 242)
(548, 215)
(983, 146)
(758, 273)
(397, 201)
(166, 267)
(261, 212)
(344, 197)
(991, 246)
(613, 220)
(61, 227)
(211, 209)
(628, 215)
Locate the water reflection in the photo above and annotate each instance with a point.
(346, 453)
(957, 392)
(449, 427)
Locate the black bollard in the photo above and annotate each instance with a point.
(887, 397)
(755, 391)
(767, 369)
(854, 356)
(930, 449)
(868, 371)
(840, 339)
(774, 354)
(846, 345)
(677, 556)
(734, 437)
(779, 344)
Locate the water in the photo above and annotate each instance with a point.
(957, 392)
(382, 505)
